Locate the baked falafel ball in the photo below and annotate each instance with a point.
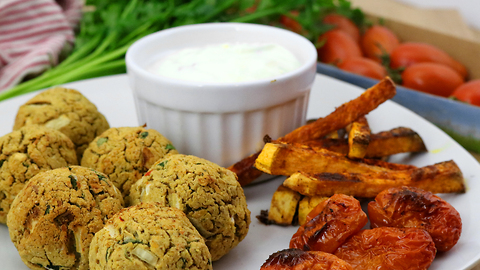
(66, 110)
(149, 236)
(55, 216)
(208, 194)
(124, 154)
(27, 152)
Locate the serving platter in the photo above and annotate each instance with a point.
(114, 99)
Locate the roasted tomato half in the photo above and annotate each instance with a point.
(296, 259)
(409, 207)
(388, 248)
(329, 224)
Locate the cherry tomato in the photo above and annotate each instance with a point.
(388, 248)
(468, 92)
(343, 23)
(296, 259)
(433, 78)
(409, 53)
(329, 224)
(377, 41)
(365, 67)
(410, 207)
(290, 23)
(338, 46)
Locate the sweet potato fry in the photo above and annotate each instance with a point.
(358, 138)
(382, 144)
(333, 135)
(337, 120)
(283, 206)
(306, 205)
(335, 145)
(345, 114)
(387, 165)
(444, 177)
(397, 140)
(245, 170)
(287, 159)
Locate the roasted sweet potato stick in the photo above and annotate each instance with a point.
(397, 140)
(382, 144)
(387, 165)
(444, 177)
(337, 120)
(287, 159)
(358, 138)
(245, 171)
(283, 206)
(333, 135)
(345, 114)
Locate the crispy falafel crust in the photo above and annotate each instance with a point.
(27, 152)
(208, 194)
(149, 236)
(124, 154)
(66, 110)
(54, 218)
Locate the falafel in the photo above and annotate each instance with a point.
(208, 194)
(55, 216)
(66, 110)
(124, 154)
(26, 152)
(149, 236)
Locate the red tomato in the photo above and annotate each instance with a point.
(468, 92)
(329, 224)
(365, 67)
(343, 23)
(338, 46)
(433, 78)
(291, 24)
(410, 207)
(377, 41)
(409, 53)
(388, 248)
(296, 259)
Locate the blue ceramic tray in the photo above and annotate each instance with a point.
(461, 121)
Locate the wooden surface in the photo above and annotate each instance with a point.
(445, 21)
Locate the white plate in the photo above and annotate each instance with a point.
(114, 99)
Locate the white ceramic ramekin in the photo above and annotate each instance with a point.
(221, 122)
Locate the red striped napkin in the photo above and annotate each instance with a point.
(33, 34)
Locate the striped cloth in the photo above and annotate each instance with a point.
(33, 34)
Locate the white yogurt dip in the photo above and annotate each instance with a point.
(226, 63)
